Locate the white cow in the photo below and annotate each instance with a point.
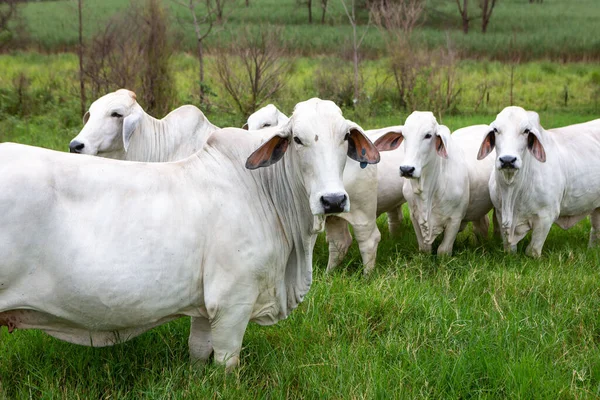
(266, 117)
(96, 251)
(446, 186)
(542, 177)
(117, 127)
(373, 190)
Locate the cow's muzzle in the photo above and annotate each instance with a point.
(407, 171)
(334, 203)
(507, 162)
(76, 147)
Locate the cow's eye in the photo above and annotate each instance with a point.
(116, 115)
(266, 125)
(527, 131)
(297, 140)
(428, 136)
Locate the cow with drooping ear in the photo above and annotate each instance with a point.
(446, 187)
(372, 190)
(117, 127)
(542, 177)
(225, 236)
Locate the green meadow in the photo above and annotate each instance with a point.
(479, 324)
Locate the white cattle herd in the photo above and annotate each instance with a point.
(220, 224)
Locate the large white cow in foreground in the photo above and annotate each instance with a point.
(542, 177)
(96, 251)
(372, 189)
(116, 126)
(446, 185)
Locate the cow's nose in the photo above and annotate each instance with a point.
(507, 161)
(407, 171)
(334, 203)
(76, 147)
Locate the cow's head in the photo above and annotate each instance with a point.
(318, 139)
(108, 125)
(266, 117)
(423, 140)
(513, 134)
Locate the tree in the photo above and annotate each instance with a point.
(309, 5)
(9, 12)
(487, 6)
(324, 10)
(80, 56)
(219, 8)
(134, 52)
(255, 70)
(200, 36)
(356, 42)
(464, 14)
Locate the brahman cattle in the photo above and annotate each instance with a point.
(96, 251)
(542, 177)
(373, 190)
(117, 127)
(446, 187)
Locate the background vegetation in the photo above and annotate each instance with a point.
(479, 324)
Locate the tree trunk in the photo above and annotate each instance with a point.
(464, 14)
(247, 3)
(309, 4)
(80, 55)
(324, 6)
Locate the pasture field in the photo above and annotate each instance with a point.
(478, 324)
(558, 29)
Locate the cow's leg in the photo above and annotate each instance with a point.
(595, 232)
(395, 218)
(541, 227)
(368, 237)
(481, 228)
(227, 330)
(339, 239)
(426, 248)
(200, 341)
(497, 223)
(445, 248)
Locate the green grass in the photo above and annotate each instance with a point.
(479, 324)
(557, 29)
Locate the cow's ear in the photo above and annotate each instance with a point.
(442, 137)
(86, 117)
(130, 124)
(487, 145)
(245, 126)
(389, 141)
(268, 153)
(360, 148)
(535, 147)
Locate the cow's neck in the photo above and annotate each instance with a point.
(290, 201)
(152, 141)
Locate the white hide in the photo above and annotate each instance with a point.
(96, 251)
(562, 187)
(372, 190)
(117, 127)
(266, 117)
(448, 185)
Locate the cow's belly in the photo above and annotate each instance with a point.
(100, 277)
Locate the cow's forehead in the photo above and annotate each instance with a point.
(118, 99)
(317, 115)
(420, 121)
(512, 118)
